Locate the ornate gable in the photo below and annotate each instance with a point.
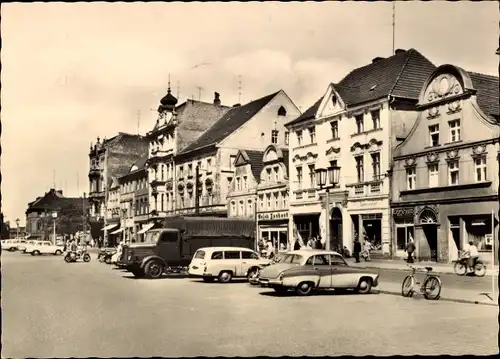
(331, 104)
(241, 158)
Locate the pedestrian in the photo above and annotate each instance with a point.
(317, 243)
(410, 248)
(357, 250)
(366, 251)
(310, 242)
(270, 249)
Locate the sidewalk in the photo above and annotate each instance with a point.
(399, 264)
(452, 295)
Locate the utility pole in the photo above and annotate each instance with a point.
(196, 191)
(199, 92)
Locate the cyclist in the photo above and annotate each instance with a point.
(472, 254)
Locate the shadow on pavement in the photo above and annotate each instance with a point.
(215, 282)
(163, 277)
(291, 293)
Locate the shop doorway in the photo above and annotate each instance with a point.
(428, 219)
(336, 240)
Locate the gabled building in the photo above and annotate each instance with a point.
(69, 220)
(355, 125)
(212, 156)
(242, 191)
(107, 159)
(176, 128)
(446, 181)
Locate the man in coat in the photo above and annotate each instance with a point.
(357, 249)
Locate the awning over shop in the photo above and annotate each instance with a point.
(117, 231)
(146, 228)
(109, 226)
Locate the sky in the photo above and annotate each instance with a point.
(73, 72)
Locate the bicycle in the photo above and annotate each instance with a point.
(430, 284)
(461, 266)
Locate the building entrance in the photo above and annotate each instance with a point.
(335, 230)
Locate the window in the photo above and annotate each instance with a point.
(433, 175)
(337, 260)
(480, 166)
(299, 137)
(269, 177)
(238, 184)
(312, 134)
(376, 165)
(245, 182)
(334, 125)
(250, 209)
(229, 179)
(268, 197)
(276, 200)
(232, 159)
(284, 199)
(321, 260)
(242, 209)
(261, 201)
(376, 119)
(249, 255)
(232, 254)
(404, 232)
(299, 177)
(217, 255)
(434, 135)
(360, 123)
(209, 164)
(312, 176)
(454, 130)
(287, 138)
(190, 169)
(162, 172)
(360, 168)
(411, 178)
(282, 111)
(276, 175)
(162, 200)
(199, 254)
(233, 208)
(453, 173)
(181, 171)
(168, 237)
(274, 137)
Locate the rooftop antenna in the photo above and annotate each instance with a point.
(199, 92)
(138, 121)
(239, 88)
(393, 26)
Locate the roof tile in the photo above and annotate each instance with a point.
(487, 87)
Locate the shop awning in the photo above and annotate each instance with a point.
(117, 231)
(109, 226)
(146, 228)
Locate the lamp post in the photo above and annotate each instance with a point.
(327, 178)
(54, 216)
(17, 223)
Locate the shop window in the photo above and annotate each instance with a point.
(404, 232)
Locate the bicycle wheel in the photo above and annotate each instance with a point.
(479, 269)
(432, 288)
(460, 268)
(407, 287)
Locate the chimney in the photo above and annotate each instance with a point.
(377, 59)
(399, 51)
(237, 105)
(60, 192)
(217, 99)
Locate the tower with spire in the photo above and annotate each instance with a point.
(166, 110)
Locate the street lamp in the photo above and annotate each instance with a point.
(54, 216)
(328, 178)
(17, 223)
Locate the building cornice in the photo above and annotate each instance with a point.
(455, 200)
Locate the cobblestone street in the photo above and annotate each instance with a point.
(54, 309)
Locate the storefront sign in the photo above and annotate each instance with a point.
(272, 216)
(404, 212)
(365, 204)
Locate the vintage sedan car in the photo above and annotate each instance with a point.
(22, 247)
(12, 245)
(44, 247)
(309, 269)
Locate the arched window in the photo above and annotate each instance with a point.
(281, 111)
(428, 217)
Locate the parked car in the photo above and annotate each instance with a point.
(278, 258)
(23, 246)
(44, 247)
(308, 269)
(225, 263)
(12, 245)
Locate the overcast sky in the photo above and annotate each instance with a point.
(72, 72)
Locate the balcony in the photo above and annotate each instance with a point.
(96, 194)
(94, 171)
(362, 189)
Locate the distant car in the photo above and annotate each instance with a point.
(225, 263)
(22, 247)
(308, 269)
(44, 247)
(12, 245)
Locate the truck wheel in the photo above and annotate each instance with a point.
(154, 269)
(253, 273)
(225, 277)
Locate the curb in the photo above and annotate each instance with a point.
(467, 301)
(407, 270)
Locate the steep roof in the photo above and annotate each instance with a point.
(140, 163)
(54, 201)
(230, 122)
(255, 160)
(487, 87)
(401, 75)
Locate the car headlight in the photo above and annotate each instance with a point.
(280, 277)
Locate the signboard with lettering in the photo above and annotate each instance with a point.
(272, 216)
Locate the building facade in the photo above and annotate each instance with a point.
(272, 198)
(250, 127)
(134, 203)
(175, 128)
(355, 125)
(107, 159)
(113, 214)
(446, 171)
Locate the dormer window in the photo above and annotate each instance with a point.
(281, 111)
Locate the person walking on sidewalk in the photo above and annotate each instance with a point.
(366, 251)
(410, 248)
(357, 250)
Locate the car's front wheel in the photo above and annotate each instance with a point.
(36, 253)
(58, 252)
(225, 277)
(364, 286)
(304, 288)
